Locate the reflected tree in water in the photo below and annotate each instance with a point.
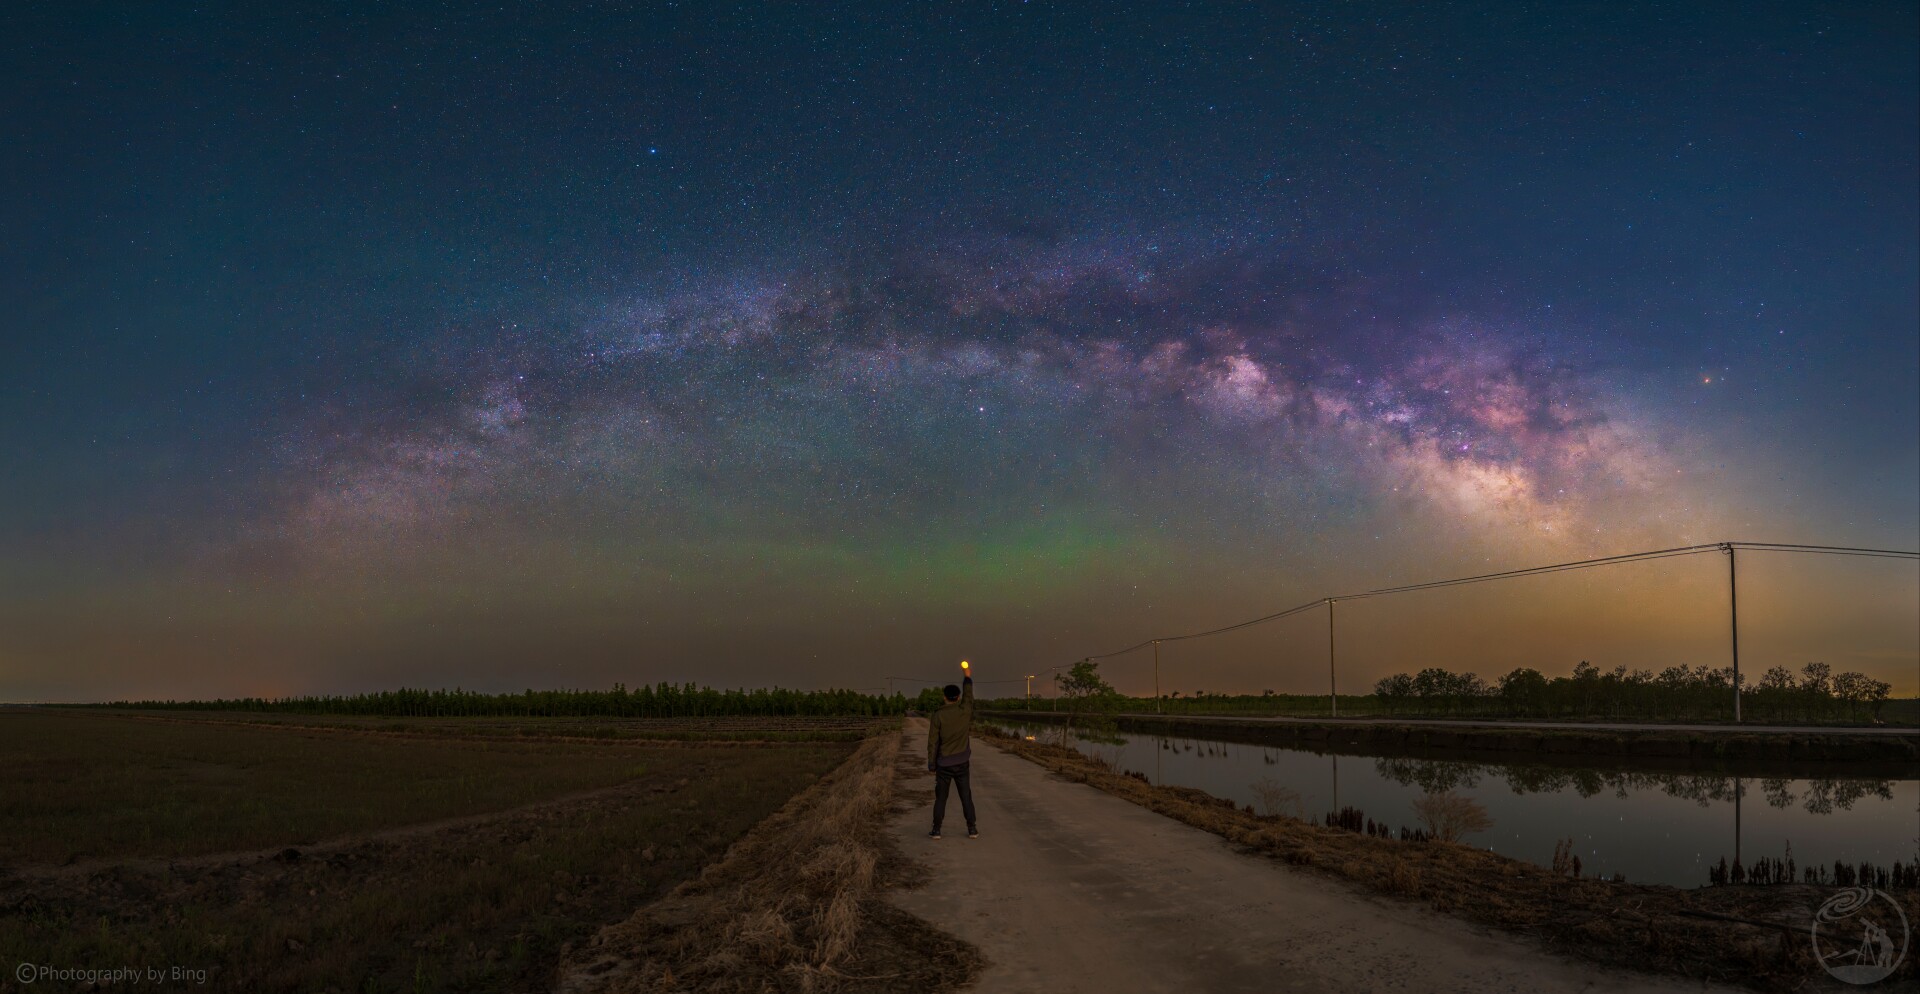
(1701, 790)
(1823, 796)
(1431, 775)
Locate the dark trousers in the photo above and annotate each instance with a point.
(958, 776)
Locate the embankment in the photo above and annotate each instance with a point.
(794, 906)
(1889, 754)
(1755, 936)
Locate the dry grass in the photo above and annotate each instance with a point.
(794, 906)
(1753, 936)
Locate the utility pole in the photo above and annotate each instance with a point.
(1030, 691)
(1158, 708)
(1733, 619)
(1333, 693)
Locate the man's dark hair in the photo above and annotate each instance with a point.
(952, 691)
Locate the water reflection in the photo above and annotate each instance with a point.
(1814, 796)
(1651, 826)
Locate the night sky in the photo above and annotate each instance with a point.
(356, 346)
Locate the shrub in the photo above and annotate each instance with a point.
(1447, 815)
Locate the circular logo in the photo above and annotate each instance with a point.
(1860, 935)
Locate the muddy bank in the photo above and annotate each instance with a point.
(1809, 753)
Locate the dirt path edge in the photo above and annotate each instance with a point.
(794, 905)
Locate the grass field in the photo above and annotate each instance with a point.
(89, 788)
(417, 863)
(729, 728)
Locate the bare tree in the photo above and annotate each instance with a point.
(1274, 799)
(1447, 815)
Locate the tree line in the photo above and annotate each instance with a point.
(663, 700)
(1813, 694)
(1816, 693)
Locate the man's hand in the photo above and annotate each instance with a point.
(930, 768)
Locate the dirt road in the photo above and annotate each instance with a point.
(1070, 889)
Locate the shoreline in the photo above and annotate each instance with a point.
(1753, 935)
(1894, 755)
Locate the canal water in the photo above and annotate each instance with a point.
(1653, 827)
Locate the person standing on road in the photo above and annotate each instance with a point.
(950, 752)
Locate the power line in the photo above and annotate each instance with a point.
(1631, 557)
(1689, 550)
(1825, 550)
(1276, 616)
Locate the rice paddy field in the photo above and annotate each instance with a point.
(296, 855)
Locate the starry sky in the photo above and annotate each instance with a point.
(350, 345)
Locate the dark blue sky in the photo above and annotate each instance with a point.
(318, 307)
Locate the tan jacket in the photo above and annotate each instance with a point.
(948, 728)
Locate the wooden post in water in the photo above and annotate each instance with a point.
(1733, 620)
(1333, 694)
